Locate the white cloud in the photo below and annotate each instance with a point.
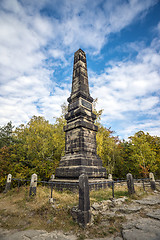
(122, 13)
(24, 78)
(89, 23)
(129, 90)
(151, 126)
(38, 36)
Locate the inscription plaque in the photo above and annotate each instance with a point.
(86, 104)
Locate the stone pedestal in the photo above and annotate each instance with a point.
(8, 183)
(152, 181)
(33, 185)
(130, 183)
(80, 131)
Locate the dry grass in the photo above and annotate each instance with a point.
(19, 211)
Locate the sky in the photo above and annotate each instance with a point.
(121, 39)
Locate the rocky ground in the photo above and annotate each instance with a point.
(141, 221)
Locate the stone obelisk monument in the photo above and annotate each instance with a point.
(80, 131)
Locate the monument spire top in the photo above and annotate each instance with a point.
(80, 77)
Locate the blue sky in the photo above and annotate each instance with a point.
(121, 39)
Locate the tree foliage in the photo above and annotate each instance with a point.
(140, 155)
(6, 135)
(38, 146)
(107, 148)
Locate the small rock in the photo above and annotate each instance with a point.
(119, 201)
(55, 206)
(148, 202)
(97, 206)
(94, 213)
(105, 207)
(49, 221)
(106, 202)
(130, 209)
(50, 200)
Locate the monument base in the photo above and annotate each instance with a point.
(73, 184)
(73, 165)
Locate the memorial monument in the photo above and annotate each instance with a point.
(80, 131)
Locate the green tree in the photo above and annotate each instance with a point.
(154, 142)
(107, 148)
(32, 148)
(97, 113)
(123, 163)
(142, 154)
(41, 144)
(7, 143)
(5, 165)
(6, 135)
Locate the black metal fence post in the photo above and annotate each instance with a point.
(18, 185)
(113, 189)
(51, 190)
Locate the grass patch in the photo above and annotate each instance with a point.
(106, 194)
(100, 195)
(19, 211)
